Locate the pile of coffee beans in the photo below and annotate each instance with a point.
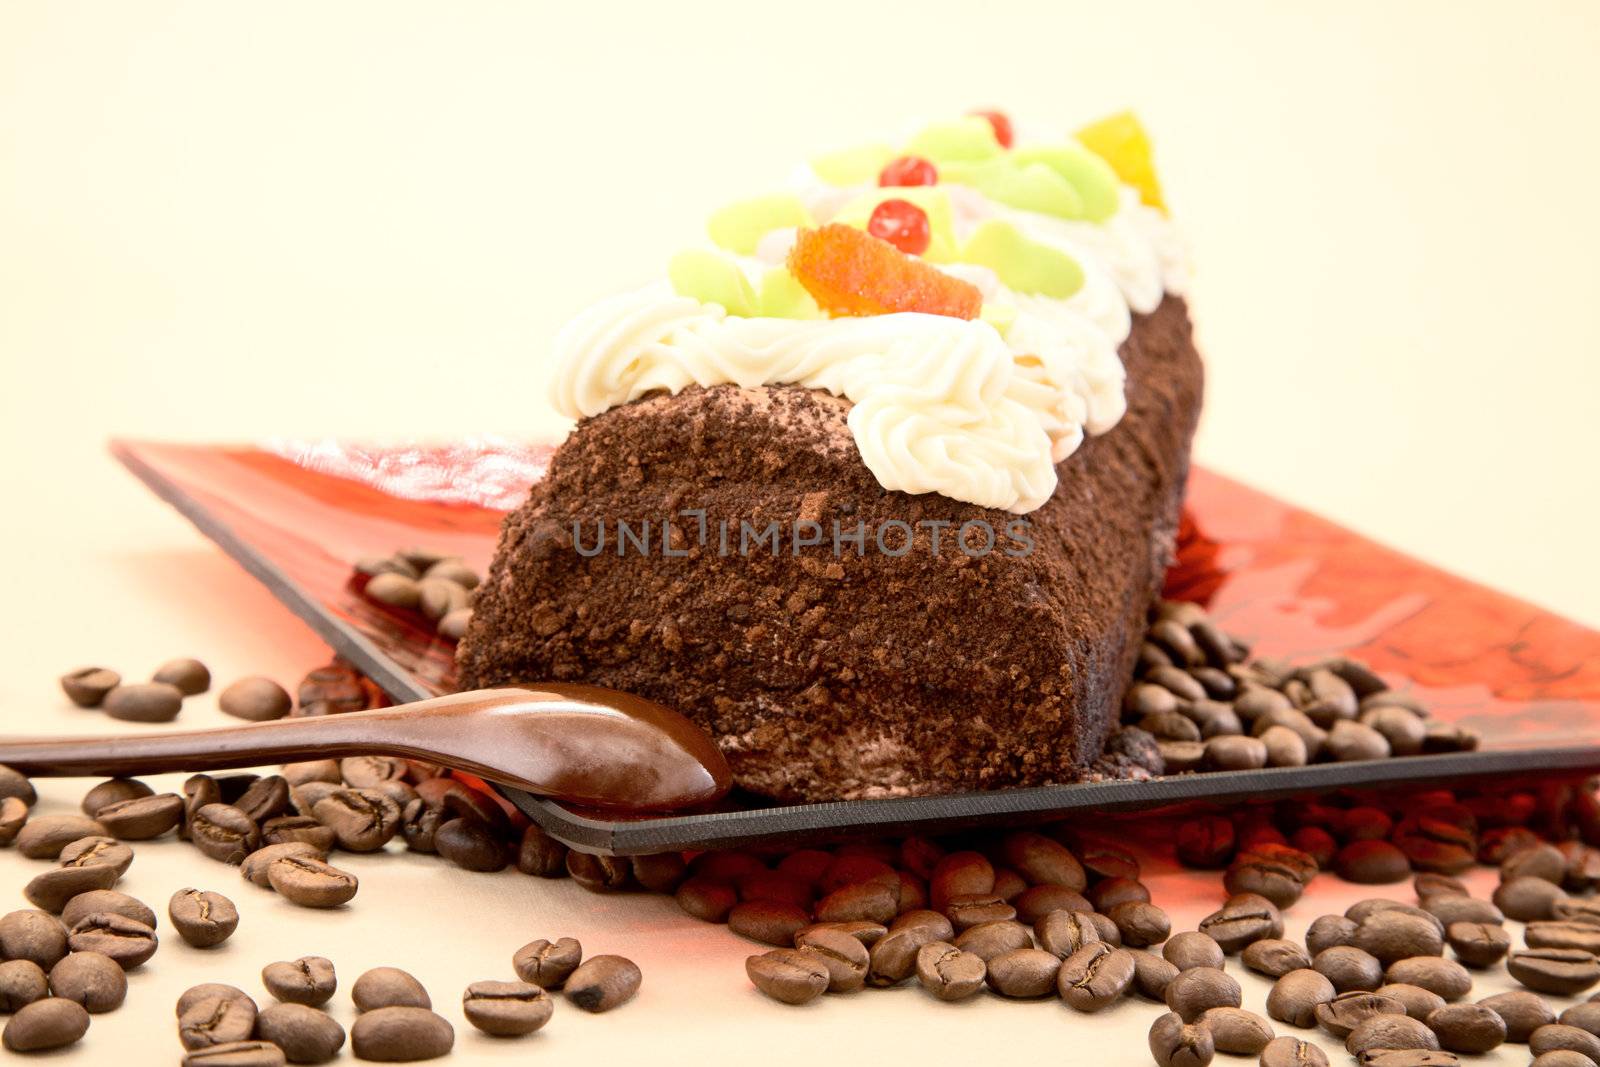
(161, 698)
(437, 587)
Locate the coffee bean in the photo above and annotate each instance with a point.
(309, 980)
(216, 1018)
(198, 791)
(254, 868)
(401, 1034)
(1329, 931)
(989, 940)
(364, 772)
(1206, 842)
(1390, 1032)
(1577, 909)
(1467, 1028)
(202, 918)
(1437, 975)
(311, 883)
(963, 874)
(1038, 901)
(1110, 892)
(256, 699)
(1236, 1031)
(190, 676)
(1348, 967)
(1065, 932)
(23, 982)
(1274, 957)
(1235, 752)
(860, 902)
(868, 934)
(1407, 1057)
(224, 833)
(1479, 944)
(1418, 1002)
(538, 853)
(33, 935)
(1362, 910)
(472, 845)
(305, 1034)
(98, 852)
(1098, 975)
(1292, 1052)
(768, 922)
(1557, 1037)
(844, 956)
(1141, 924)
(968, 910)
(1194, 949)
(141, 818)
(1192, 991)
(1319, 844)
(1539, 861)
(318, 770)
(787, 975)
(1023, 973)
(1562, 1058)
(602, 983)
(87, 686)
(893, 958)
(363, 820)
(144, 702)
(1563, 933)
(1585, 1016)
(1244, 919)
(1371, 863)
(267, 798)
(1440, 839)
(45, 836)
(388, 987)
(1174, 1043)
(1347, 1011)
(13, 817)
(1276, 872)
(112, 790)
(1294, 997)
(707, 899)
(1522, 1011)
(1562, 971)
(53, 1022)
(1400, 727)
(52, 889)
(1151, 974)
(106, 900)
(949, 973)
(1395, 935)
(506, 1009)
(1453, 909)
(127, 941)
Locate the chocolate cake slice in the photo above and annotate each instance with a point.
(847, 668)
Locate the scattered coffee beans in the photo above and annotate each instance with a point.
(1192, 992)
(189, 676)
(53, 1022)
(144, 702)
(1562, 971)
(388, 987)
(22, 982)
(305, 1034)
(127, 941)
(401, 1034)
(1175, 1043)
(1294, 997)
(1292, 1052)
(949, 973)
(311, 883)
(91, 979)
(791, 976)
(602, 983)
(215, 1018)
(256, 699)
(202, 918)
(309, 980)
(88, 686)
(1467, 1028)
(506, 1009)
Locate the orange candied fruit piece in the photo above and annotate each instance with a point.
(850, 272)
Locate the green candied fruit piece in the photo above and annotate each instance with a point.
(1000, 316)
(712, 278)
(1028, 187)
(740, 227)
(970, 139)
(1096, 183)
(1023, 265)
(783, 297)
(934, 202)
(852, 166)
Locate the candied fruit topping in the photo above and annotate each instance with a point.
(1030, 186)
(1001, 124)
(909, 170)
(1099, 194)
(850, 272)
(1024, 265)
(903, 224)
(739, 227)
(935, 204)
(970, 139)
(712, 278)
(1122, 142)
(852, 166)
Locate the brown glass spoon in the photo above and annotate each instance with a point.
(580, 743)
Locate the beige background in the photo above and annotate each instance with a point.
(221, 220)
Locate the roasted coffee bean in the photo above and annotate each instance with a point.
(844, 956)
(787, 975)
(1563, 933)
(195, 994)
(1562, 1057)
(1175, 1043)
(1396, 935)
(202, 918)
(1317, 843)
(1497, 844)
(1479, 944)
(305, 798)
(1042, 860)
(1151, 974)
(33, 935)
(45, 836)
(1191, 992)
(962, 874)
(707, 899)
(305, 1034)
(1577, 909)
(1236, 1031)
(1244, 919)
(1431, 885)
(23, 982)
(967, 911)
(317, 770)
(1294, 997)
(602, 983)
(893, 957)
(1284, 746)
(1347, 1011)
(1312, 736)
(1194, 949)
(1390, 1032)
(1585, 1016)
(254, 868)
(198, 791)
(52, 889)
(311, 883)
(1110, 892)
(1292, 1052)
(1141, 924)
(1462, 909)
(1276, 872)
(1407, 1057)
(659, 873)
(1419, 1003)
(420, 822)
(1038, 901)
(256, 699)
(53, 1022)
(1348, 967)
(13, 817)
(1181, 757)
(87, 687)
(949, 973)
(190, 676)
(868, 934)
(127, 941)
(364, 772)
(224, 833)
(1023, 972)
(547, 964)
(112, 790)
(144, 702)
(1439, 839)
(1562, 971)
(98, 852)
(1329, 931)
(1445, 977)
(216, 1018)
(363, 820)
(1522, 1011)
(1098, 975)
(1274, 957)
(267, 798)
(768, 922)
(860, 902)
(1371, 863)
(538, 854)
(401, 1034)
(471, 844)
(1557, 1037)
(1065, 932)
(506, 1009)
(141, 818)
(1467, 1028)
(1539, 861)
(1106, 929)
(106, 900)
(388, 987)
(309, 980)
(1206, 842)
(1400, 727)
(1235, 752)
(1362, 910)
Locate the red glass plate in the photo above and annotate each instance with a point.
(297, 514)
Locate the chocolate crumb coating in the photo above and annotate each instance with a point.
(830, 676)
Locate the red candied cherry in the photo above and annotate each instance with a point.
(909, 170)
(903, 224)
(1001, 124)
